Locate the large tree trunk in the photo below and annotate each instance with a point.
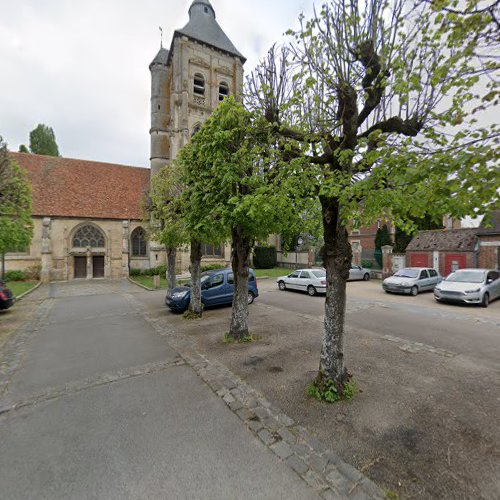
(240, 259)
(171, 262)
(337, 256)
(195, 305)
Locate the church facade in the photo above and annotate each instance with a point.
(88, 216)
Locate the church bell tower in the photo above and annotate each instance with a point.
(188, 81)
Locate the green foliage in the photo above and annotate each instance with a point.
(16, 226)
(23, 149)
(368, 264)
(135, 272)
(211, 267)
(329, 393)
(154, 271)
(228, 339)
(402, 238)
(15, 275)
(383, 237)
(265, 257)
(43, 141)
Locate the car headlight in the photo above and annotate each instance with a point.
(179, 295)
(405, 283)
(473, 291)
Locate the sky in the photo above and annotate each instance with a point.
(81, 67)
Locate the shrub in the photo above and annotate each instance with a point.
(15, 276)
(212, 267)
(264, 257)
(135, 272)
(367, 263)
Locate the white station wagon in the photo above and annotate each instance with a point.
(312, 281)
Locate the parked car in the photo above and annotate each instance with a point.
(469, 286)
(358, 273)
(312, 281)
(217, 287)
(6, 296)
(412, 280)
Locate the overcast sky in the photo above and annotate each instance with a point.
(81, 67)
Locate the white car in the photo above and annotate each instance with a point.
(312, 281)
(412, 280)
(469, 286)
(358, 273)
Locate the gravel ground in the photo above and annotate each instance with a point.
(424, 424)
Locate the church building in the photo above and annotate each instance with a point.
(88, 216)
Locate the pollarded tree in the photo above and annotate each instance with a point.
(165, 215)
(43, 141)
(369, 96)
(234, 189)
(16, 226)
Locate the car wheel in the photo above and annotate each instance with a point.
(282, 286)
(486, 300)
(251, 298)
(311, 290)
(366, 277)
(414, 291)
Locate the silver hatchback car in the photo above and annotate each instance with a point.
(412, 280)
(312, 281)
(469, 286)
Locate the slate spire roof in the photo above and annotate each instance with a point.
(161, 58)
(204, 28)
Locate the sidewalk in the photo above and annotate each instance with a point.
(98, 405)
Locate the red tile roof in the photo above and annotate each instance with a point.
(63, 187)
(444, 240)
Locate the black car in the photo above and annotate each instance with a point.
(6, 297)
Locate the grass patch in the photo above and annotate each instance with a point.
(245, 340)
(275, 272)
(20, 287)
(148, 281)
(328, 392)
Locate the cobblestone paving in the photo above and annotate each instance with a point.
(321, 468)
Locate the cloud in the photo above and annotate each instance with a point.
(82, 67)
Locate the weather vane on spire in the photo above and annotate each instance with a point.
(161, 37)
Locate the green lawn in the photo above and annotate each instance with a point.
(275, 272)
(19, 287)
(148, 281)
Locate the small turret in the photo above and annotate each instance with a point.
(160, 111)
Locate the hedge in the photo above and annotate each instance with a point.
(265, 257)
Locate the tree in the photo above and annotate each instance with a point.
(43, 141)
(382, 238)
(16, 226)
(164, 212)
(234, 189)
(23, 149)
(368, 97)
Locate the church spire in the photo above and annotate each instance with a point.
(201, 7)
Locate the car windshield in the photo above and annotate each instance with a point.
(319, 274)
(204, 277)
(466, 277)
(407, 273)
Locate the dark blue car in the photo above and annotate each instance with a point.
(217, 288)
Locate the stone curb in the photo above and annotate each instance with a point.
(319, 467)
(27, 292)
(140, 284)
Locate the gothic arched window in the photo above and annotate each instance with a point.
(139, 243)
(88, 236)
(199, 84)
(223, 90)
(196, 129)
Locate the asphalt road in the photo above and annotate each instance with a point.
(105, 409)
(467, 330)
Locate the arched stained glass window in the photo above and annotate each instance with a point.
(88, 236)
(139, 243)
